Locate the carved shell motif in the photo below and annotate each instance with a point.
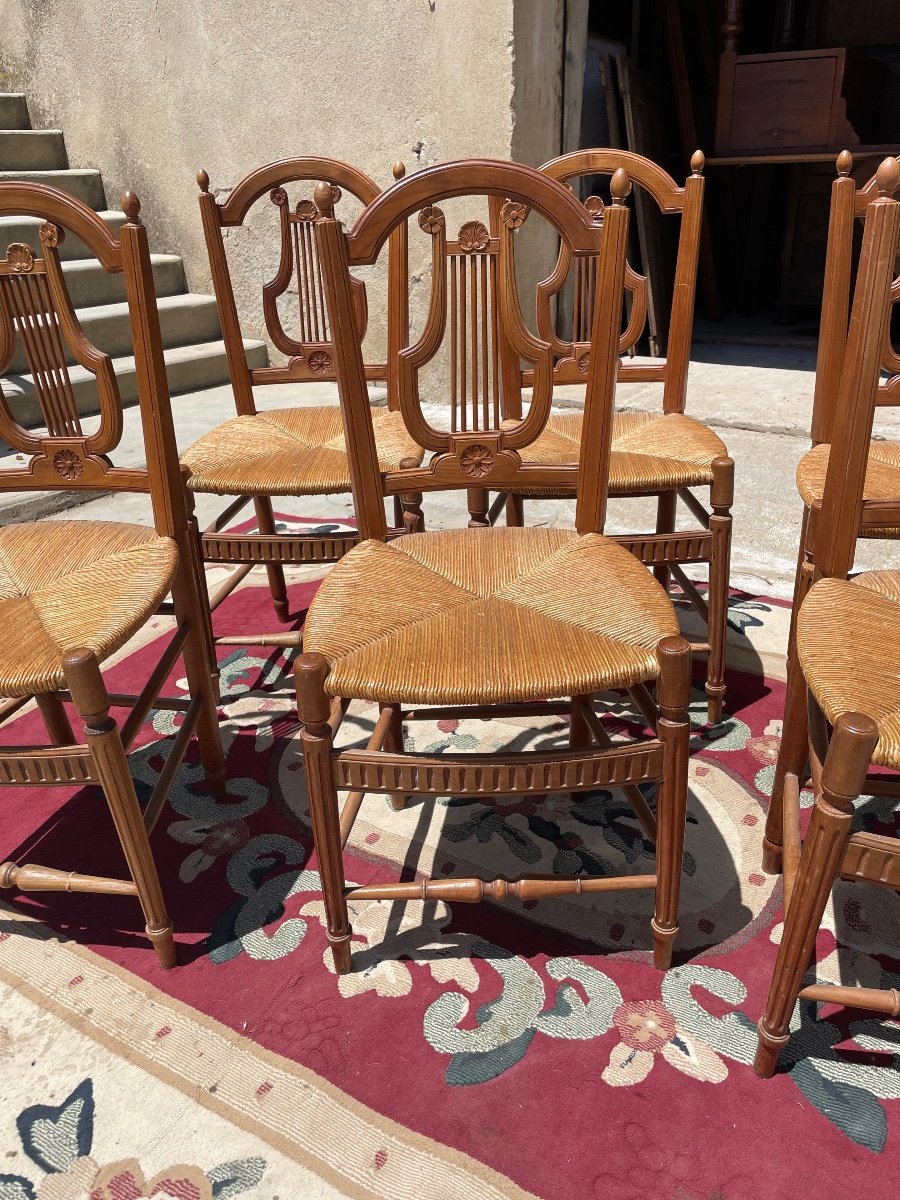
(473, 236)
(319, 362)
(431, 219)
(513, 214)
(68, 464)
(19, 258)
(476, 460)
(306, 210)
(596, 208)
(584, 362)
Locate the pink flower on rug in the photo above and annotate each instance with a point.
(85, 1179)
(647, 1028)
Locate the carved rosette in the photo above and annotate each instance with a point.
(336, 193)
(431, 219)
(19, 258)
(52, 235)
(584, 362)
(306, 210)
(513, 214)
(319, 362)
(68, 464)
(278, 196)
(476, 460)
(472, 237)
(596, 208)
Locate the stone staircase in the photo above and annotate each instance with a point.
(194, 352)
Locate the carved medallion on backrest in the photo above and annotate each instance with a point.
(36, 308)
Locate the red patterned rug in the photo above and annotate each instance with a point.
(477, 1050)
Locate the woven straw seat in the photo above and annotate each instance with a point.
(848, 641)
(289, 452)
(71, 584)
(488, 616)
(882, 477)
(650, 453)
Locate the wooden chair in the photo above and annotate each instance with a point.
(848, 204)
(487, 622)
(76, 591)
(295, 451)
(652, 455)
(844, 669)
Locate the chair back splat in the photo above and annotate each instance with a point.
(36, 307)
(485, 454)
(309, 347)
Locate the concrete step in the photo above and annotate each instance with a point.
(86, 185)
(183, 319)
(32, 150)
(27, 230)
(89, 285)
(14, 111)
(189, 368)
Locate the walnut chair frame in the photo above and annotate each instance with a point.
(311, 356)
(665, 550)
(35, 306)
(495, 455)
(848, 205)
(838, 747)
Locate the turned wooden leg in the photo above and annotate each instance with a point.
(56, 719)
(398, 513)
(91, 701)
(580, 737)
(722, 496)
(411, 503)
(393, 743)
(665, 523)
(478, 501)
(265, 523)
(793, 752)
(843, 778)
(202, 676)
(310, 673)
(674, 731)
(515, 510)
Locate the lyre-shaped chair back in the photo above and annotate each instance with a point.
(859, 389)
(36, 307)
(488, 454)
(687, 202)
(849, 204)
(309, 346)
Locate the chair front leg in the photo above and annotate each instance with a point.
(843, 778)
(91, 700)
(722, 497)
(674, 731)
(310, 673)
(478, 502)
(793, 753)
(265, 523)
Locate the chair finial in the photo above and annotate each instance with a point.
(888, 177)
(620, 186)
(202, 180)
(398, 169)
(324, 198)
(844, 163)
(698, 162)
(131, 206)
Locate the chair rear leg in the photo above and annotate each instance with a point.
(803, 579)
(674, 729)
(265, 523)
(56, 719)
(478, 502)
(722, 497)
(89, 694)
(665, 523)
(393, 743)
(843, 778)
(310, 673)
(580, 737)
(515, 510)
(793, 753)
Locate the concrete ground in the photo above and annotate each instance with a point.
(759, 398)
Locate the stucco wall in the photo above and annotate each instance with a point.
(149, 92)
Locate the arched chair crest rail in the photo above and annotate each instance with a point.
(653, 454)
(486, 622)
(842, 707)
(299, 450)
(76, 591)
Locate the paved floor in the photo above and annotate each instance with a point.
(759, 398)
